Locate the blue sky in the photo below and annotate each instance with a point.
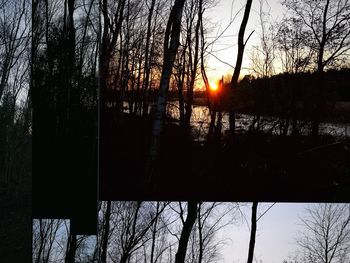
(276, 234)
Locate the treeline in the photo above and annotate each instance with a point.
(15, 106)
(288, 93)
(139, 231)
(51, 242)
(133, 52)
(160, 232)
(15, 130)
(65, 43)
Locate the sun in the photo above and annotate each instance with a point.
(213, 86)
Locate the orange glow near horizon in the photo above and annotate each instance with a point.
(213, 86)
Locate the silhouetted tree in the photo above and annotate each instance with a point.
(326, 233)
(112, 23)
(186, 231)
(171, 44)
(241, 46)
(252, 233)
(328, 35)
(44, 236)
(15, 130)
(105, 232)
(126, 228)
(263, 55)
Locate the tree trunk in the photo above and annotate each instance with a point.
(186, 231)
(71, 246)
(147, 64)
(319, 89)
(108, 43)
(193, 69)
(180, 84)
(40, 250)
(181, 101)
(69, 61)
(106, 233)
(252, 233)
(154, 232)
(124, 258)
(200, 232)
(241, 46)
(171, 44)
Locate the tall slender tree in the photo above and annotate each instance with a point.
(241, 46)
(192, 207)
(171, 44)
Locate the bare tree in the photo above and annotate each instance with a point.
(326, 234)
(263, 56)
(171, 44)
(241, 46)
(14, 27)
(71, 245)
(51, 243)
(14, 80)
(326, 23)
(15, 130)
(293, 54)
(127, 228)
(45, 233)
(204, 244)
(252, 233)
(186, 231)
(105, 232)
(112, 24)
(193, 60)
(147, 66)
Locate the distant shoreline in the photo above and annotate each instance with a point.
(341, 112)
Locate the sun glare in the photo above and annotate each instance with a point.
(213, 86)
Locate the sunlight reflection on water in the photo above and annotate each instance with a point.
(200, 121)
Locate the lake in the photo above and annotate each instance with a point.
(200, 121)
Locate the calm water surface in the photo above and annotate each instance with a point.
(200, 121)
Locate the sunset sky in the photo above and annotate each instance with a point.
(278, 229)
(225, 48)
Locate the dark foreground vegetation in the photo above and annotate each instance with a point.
(15, 132)
(64, 96)
(265, 167)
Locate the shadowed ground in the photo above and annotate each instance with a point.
(247, 167)
(15, 224)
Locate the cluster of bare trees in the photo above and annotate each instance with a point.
(312, 37)
(15, 129)
(15, 116)
(140, 232)
(65, 44)
(136, 231)
(325, 235)
(130, 56)
(52, 242)
(143, 41)
(161, 231)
